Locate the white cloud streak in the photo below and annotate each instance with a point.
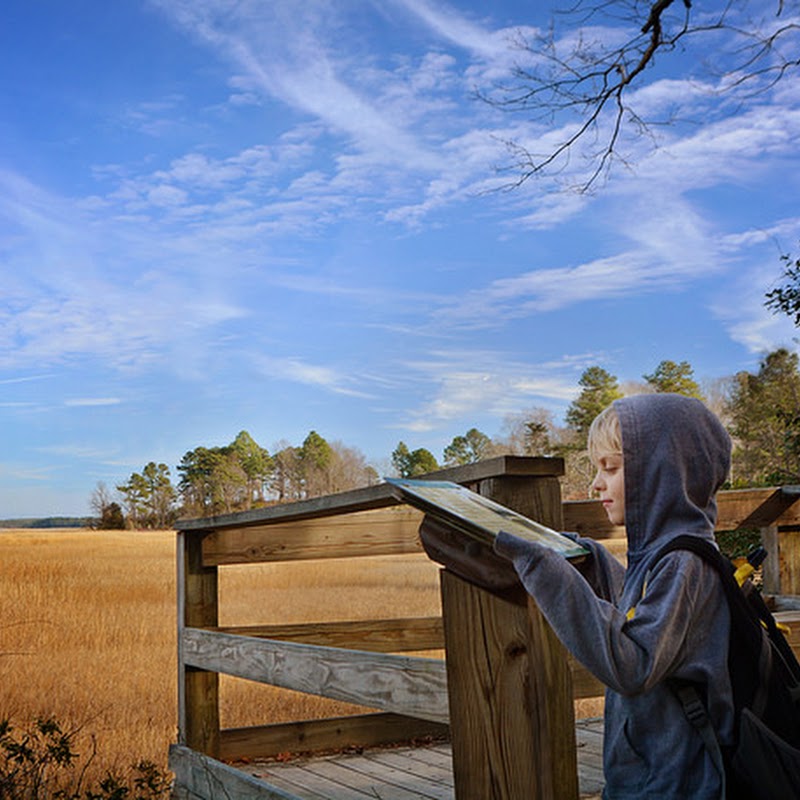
(473, 383)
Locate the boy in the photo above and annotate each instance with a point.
(660, 460)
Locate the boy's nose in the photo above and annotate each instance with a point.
(597, 483)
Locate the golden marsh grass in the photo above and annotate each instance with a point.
(88, 631)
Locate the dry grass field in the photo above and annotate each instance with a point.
(87, 631)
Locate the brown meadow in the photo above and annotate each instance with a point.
(88, 632)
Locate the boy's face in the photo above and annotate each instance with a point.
(609, 483)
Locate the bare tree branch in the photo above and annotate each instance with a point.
(585, 88)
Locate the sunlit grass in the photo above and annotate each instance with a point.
(88, 630)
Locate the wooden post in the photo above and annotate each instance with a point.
(772, 566)
(511, 711)
(782, 567)
(198, 690)
(790, 562)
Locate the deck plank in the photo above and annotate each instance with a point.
(403, 785)
(404, 773)
(412, 762)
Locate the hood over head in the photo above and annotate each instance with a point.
(676, 456)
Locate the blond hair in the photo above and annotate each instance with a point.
(605, 435)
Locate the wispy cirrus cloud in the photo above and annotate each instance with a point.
(635, 272)
(468, 384)
(299, 370)
(284, 51)
(448, 22)
(92, 402)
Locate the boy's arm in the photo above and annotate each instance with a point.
(629, 656)
(604, 573)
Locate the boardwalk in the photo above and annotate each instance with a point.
(402, 773)
(510, 718)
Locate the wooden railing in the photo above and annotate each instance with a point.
(505, 691)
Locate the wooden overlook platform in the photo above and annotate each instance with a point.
(493, 720)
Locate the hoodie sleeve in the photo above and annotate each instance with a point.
(603, 572)
(628, 655)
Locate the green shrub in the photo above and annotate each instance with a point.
(738, 543)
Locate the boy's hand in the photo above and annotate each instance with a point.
(514, 547)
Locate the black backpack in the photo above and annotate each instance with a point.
(764, 761)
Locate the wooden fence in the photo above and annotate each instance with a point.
(504, 693)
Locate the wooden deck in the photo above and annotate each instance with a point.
(510, 717)
(400, 773)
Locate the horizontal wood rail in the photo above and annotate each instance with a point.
(375, 635)
(334, 733)
(739, 508)
(504, 692)
(386, 532)
(401, 684)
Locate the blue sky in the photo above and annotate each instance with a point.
(277, 217)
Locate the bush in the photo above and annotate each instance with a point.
(738, 543)
(40, 762)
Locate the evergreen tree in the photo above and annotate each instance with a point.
(599, 389)
(135, 496)
(678, 378)
(531, 433)
(160, 495)
(473, 446)
(764, 411)
(257, 465)
(401, 459)
(316, 458)
(410, 464)
(149, 497)
(196, 485)
(225, 479)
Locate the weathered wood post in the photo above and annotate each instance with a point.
(782, 567)
(511, 708)
(775, 513)
(198, 690)
(784, 572)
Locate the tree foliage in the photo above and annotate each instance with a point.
(318, 467)
(112, 518)
(581, 77)
(286, 483)
(410, 463)
(108, 513)
(670, 376)
(473, 446)
(765, 422)
(221, 480)
(761, 410)
(599, 389)
(149, 497)
(316, 457)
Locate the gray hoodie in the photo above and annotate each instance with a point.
(676, 456)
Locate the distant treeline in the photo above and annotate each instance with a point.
(48, 522)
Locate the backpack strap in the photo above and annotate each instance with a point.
(695, 711)
(687, 693)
